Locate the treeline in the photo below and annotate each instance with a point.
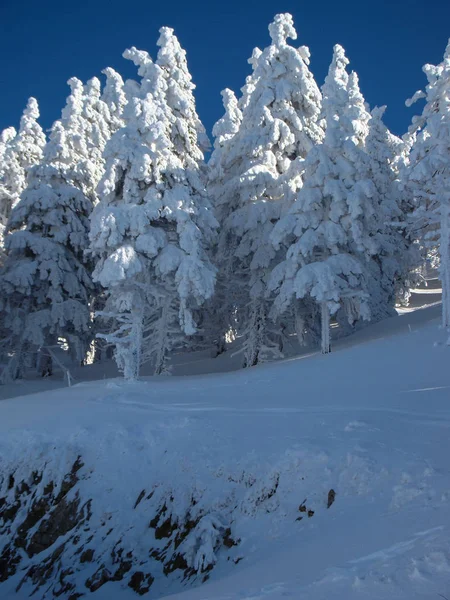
(116, 234)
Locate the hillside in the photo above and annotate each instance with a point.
(316, 477)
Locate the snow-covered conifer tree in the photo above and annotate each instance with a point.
(280, 124)
(106, 117)
(150, 229)
(373, 204)
(6, 138)
(395, 258)
(220, 309)
(20, 153)
(320, 226)
(45, 283)
(377, 210)
(428, 173)
(189, 140)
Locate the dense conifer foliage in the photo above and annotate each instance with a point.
(116, 232)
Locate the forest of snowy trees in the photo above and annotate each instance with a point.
(118, 238)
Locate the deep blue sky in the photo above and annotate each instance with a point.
(44, 42)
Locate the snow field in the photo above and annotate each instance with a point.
(245, 451)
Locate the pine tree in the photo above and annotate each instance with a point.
(150, 229)
(373, 204)
(45, 283)
(20, 153)
(280, 124)
(106, 118)
(221, 326)
(6, 137)
(395, 259)
(322, 225)
(428, 173)
(190, 141)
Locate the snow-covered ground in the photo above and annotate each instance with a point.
(237, 454)
(201, 363)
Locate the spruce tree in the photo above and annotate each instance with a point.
(320, 228)
(262, 169)
(150, 229)
(45, 283)
(393, 264)
(19, 153)
(6, 137)
(220, 317)
(428, 172)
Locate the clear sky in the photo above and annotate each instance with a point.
(45, 42)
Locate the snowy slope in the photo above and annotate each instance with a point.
(240, 453)
(201, 363)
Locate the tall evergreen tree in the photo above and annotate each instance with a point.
(6, 137)
(393, 263)
(45, 282)
(428, 173)
(106, 112)
(20, 153)
(220, 325)
(150, 230)
(280, 124)
(189, 140)
(320, 226)
(373, 207)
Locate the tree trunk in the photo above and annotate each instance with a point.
(326, 349)
(161, 355)
(256, 331)
(136, 344)
(45, 362)
(128, 355)
(219, 347)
